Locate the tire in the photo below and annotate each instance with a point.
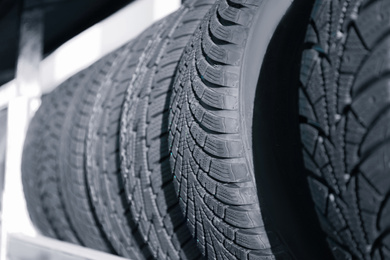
(30, 171)
(72, 156)
(88, 146)
(144, 157)
(344, 109)
(103, 172)
(210, 124)
(40, 166)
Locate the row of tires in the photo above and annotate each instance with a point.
(204, 137)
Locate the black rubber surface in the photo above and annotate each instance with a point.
(48, 172)
(53, 176)
(210, 132)
(72, 153)
(41, 164)
(102, 153)
(106, 187)
(280, 174)
(137, 217)
(31, 163)
(344, 108)
(146, 172)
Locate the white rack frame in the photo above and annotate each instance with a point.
(46, 248)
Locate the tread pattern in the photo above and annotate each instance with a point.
(30, 164)
(144, 154)
(41, 172)
(48, 177)
(215, 185)
(102, 151)
(344, 109)
(72, 153)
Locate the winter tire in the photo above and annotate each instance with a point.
(344, 109)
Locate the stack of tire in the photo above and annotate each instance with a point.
(185, 143)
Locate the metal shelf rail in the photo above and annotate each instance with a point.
(40, 248)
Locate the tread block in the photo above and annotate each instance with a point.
(343, 106)
(212, 178)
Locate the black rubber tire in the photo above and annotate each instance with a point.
(87, 149)
(40, 165)
(45, 165)
(344, 109)
(145, 170)
(211, 131)
(42, 161)
(282, 184)
(73, 137)
(102, 154)
(31, 163)
(105, 184)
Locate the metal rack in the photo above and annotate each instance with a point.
(20, 98)
(46, 248)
